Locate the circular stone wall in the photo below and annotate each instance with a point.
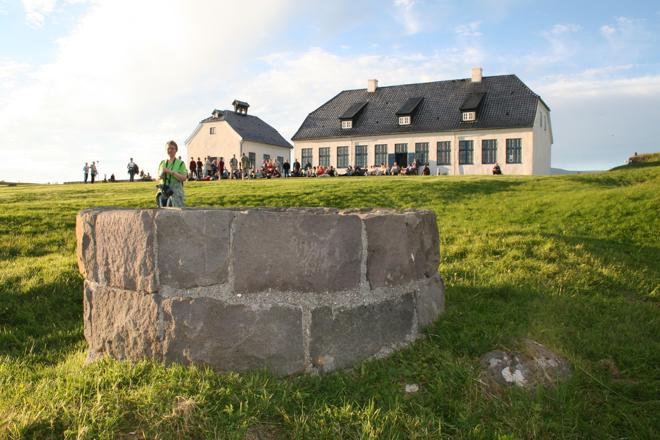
(288, 290)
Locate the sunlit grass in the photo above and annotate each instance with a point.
(571, 261)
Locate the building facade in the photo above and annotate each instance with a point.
(457, 127)
(233, 132)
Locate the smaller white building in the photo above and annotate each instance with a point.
(233, 132)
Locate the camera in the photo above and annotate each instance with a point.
(165, 190)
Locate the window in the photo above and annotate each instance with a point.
(422, 153)
(444, 153)
(306, 154)
(347, 124)
(514, 150)
(361, 156)
(280, 160)
(381, 154)
(342, 157)
(489, 151)
(404, 120)
(464, 152)
(469, 116)
(212, 130)
(266, 157)
(253, 159)
(324, 156)
(400, 148)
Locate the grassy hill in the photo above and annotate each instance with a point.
(570, 261)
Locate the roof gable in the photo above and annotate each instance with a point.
(248, 127)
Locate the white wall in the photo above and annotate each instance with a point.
(224, 143)
(260, 149)
(525, 134)
(542, 141)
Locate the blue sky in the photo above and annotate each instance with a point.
(84, 80)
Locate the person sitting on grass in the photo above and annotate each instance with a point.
(426, 171)
(395, 169)
(497, 170)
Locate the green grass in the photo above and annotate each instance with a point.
(570, 261)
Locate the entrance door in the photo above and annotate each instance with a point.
(401, 159)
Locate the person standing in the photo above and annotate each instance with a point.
(245, 167)
(221, 167)
(193, 168)
(286, 166)
(296, 168)
(172, 172)
(93, 171)
(132, 170)
(233, 166)
(200, 165)
(86, 171)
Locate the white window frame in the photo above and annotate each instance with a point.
(211, 130)
(404, 120)
(469, 116)
(346, 124)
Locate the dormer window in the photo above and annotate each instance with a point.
(469, 116)
(408, 110)
(351, 115)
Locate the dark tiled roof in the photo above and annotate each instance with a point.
(250, 128)
(409, 106)
(507, 103)
(472, 102)
(353, 110)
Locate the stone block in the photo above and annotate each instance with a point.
(193, 247)
(86, 243)
(430, 300)
(120, 323)
(344, 336)
(402, 247)
(228, 337)
(125, 255)
(296, 250)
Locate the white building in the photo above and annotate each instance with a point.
(462, 126)
(226, 133)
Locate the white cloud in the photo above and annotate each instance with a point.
(469, 30)
(37, 10)
(607, 31)
(560, 29)
(122, 83)
(406, 14)
(297, 83)
(601, 121)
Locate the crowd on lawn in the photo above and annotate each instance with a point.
(243, 168)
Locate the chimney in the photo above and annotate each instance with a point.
(372, 85)
(477, 74)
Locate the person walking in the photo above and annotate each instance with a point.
(245, 167)
(172, 172)
(86, 171)
(93, 171)
(132, 170)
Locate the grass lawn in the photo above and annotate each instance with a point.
(570, 261)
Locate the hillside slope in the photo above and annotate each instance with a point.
(570, 261)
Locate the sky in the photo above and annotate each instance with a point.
(106, 80)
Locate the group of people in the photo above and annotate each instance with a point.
(217, 168)
(90, 170)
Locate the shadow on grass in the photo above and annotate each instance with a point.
(42, 323)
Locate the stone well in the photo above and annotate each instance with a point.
(288, 290)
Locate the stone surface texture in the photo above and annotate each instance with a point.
(531, 366)
(285, 290)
